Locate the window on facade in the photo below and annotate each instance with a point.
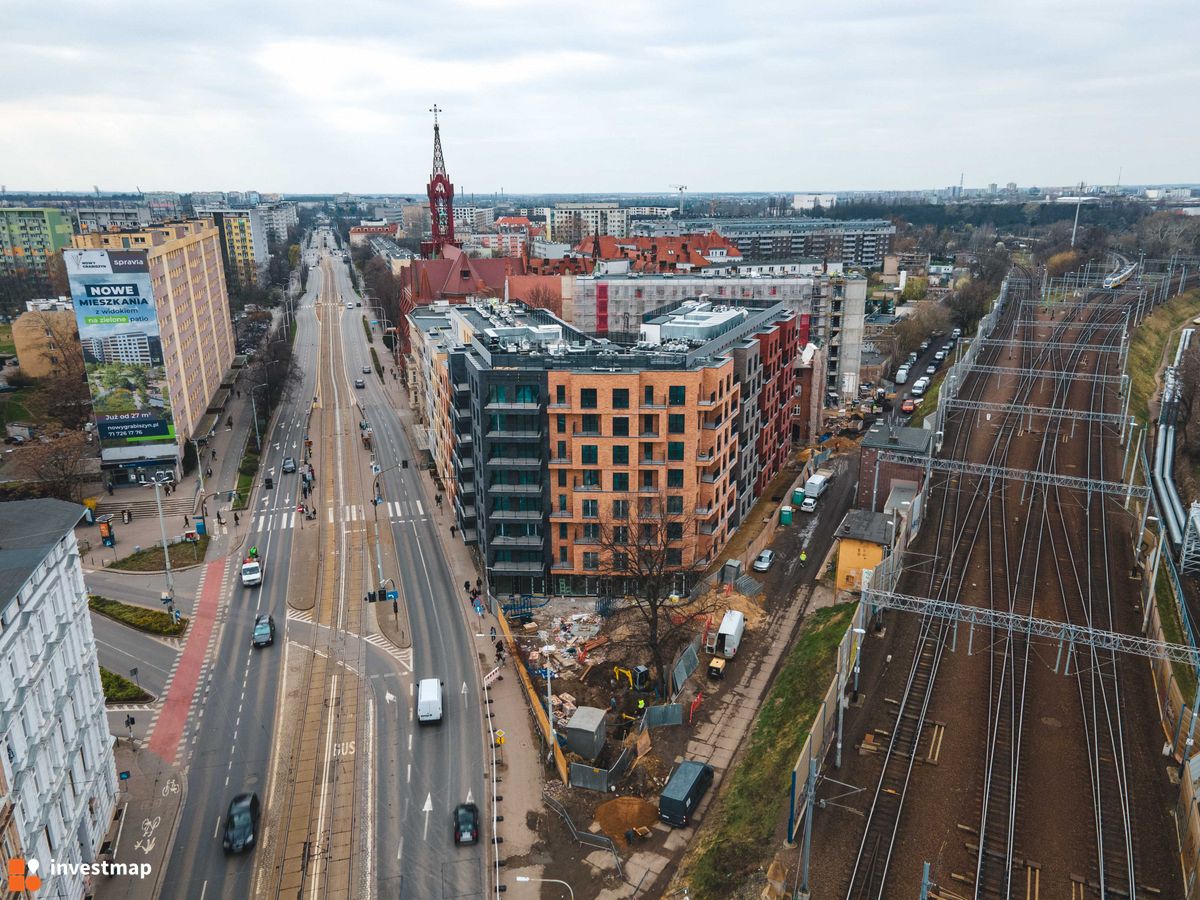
(675, 450)
(674, 504)
(591, 509)
(620, 509)
(527, 393)
(646, 480)
(591, 560)
(648, 395)
(620, 454)
(560, 393)
(674, 478)
(674, 556)
(646, 532)
(591, 478)
(591, 531)
(620, 560)
(677, 395)
(562, 424)
(587, 398)
(649, 424)
(562, 477)
(562, 502)
(562, 531)
(620, 398)
(590, 456)
(675, 423)
(562, 554)
(590, 424)
(674, 531)
(620, 535)
(620, 426)
(620, 481)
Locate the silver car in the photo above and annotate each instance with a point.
(764, 561)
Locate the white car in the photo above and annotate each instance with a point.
(809, 505)
(349, 305)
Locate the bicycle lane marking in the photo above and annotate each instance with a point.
(168, 730)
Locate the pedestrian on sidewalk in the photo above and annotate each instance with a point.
(492, 631)
(452, 530)
(235, 519)
(185, 522)
(214, 454)
(208, 472)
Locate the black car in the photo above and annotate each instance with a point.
(289, 465)
(241, 823)
(264, 631)
(466, 823)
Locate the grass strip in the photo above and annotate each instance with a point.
(150, 559)
(367, 329)
(736, 839)
(151, 621)
(1172, 628)
(1149, 344)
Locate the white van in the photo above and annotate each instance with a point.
(919, 388)
(902, 375)
(429, 701)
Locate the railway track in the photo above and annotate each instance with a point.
(1013, 559)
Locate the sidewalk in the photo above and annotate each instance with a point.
(148, 803)
(518, 769)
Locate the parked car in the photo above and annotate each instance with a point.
(908, 406)
(241, 823)
(931, 370)
(764, 561)
(264, 631)
(924, 345)
(289, 465)
(809, 505)
(466, 824)
(940, 355)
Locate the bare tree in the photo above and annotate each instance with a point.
(650, 554)
(60, 464)
(62, 395)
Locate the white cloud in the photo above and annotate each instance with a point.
(623, 95)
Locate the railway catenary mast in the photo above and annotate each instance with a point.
(441, 198)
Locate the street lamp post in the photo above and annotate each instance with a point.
(199, 464)
(169, 594)
(524, 879)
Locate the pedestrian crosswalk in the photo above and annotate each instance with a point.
(402, 655)
(395, 510)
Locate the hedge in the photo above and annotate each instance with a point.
(367, 329)
(152, 621)
(118, 689)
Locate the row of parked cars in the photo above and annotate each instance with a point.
(921, 385)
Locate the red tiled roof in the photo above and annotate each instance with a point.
(659, 254)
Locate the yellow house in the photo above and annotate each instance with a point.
(863, 537)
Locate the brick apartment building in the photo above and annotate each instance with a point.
(875, 477)
(564, 446)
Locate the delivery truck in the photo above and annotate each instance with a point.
(817, 483)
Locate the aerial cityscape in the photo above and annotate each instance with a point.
(691, 453)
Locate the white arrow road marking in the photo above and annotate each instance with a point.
(389, 697)
(427, 809)
(464, 693)
(470, 799)
(400, 850)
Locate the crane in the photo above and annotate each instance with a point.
(681, 188)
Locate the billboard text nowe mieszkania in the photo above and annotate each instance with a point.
(122, 346)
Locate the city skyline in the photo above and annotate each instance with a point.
(296, 100)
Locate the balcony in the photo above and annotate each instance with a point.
(589, 432)
(515, 489)
(523, 566)
(522, 540)
(707, 527)
(652, 461)
(562, 566)
(648, 489)
(514, 435)
(562, 514)
(709, 477)
(560, 460)
(703, 512)
(511, 406)
(654, 406)
(515, 515)
(524, 462)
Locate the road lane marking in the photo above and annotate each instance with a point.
(217, 830)
(420, 509)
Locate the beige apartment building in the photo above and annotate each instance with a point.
(191, 301)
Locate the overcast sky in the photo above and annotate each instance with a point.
(596, 96)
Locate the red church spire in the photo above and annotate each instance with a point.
(441, 197)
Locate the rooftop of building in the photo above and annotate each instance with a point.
(756, 225)
(28, 531)
(709, 275)
(902, 496)
(866, 525)
(898, 437)
(155, 234)
(50, 304)
(389, 249)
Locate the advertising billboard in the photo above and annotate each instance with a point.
(122, 346)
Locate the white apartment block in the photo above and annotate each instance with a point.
(812, 201)
(572, 222)
(57, 776)
(468, 219)
(277, 219)
(830, 309)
